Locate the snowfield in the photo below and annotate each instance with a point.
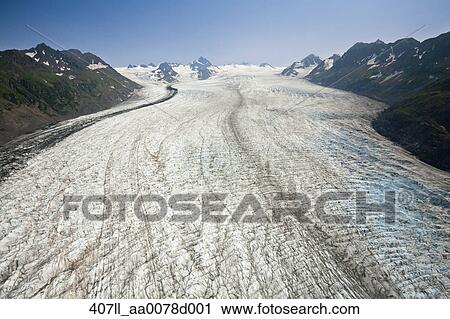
(246, 130)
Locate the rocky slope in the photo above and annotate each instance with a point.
(421, 123)
(41, 86)
(412, 77)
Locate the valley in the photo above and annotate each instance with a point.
(245, 130)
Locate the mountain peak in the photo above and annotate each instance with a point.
(165, 66)
(42, 45)
(202, 66)
(310, 60)
(43, 48)
(165, 72)
(265, 65)
(335, 56)
(303, 67)
(204, 61)
(311, 56)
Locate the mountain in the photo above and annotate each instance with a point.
(325, 65)
(142, 65)
(165, 72)
(203, 67)
(421, 123)
(412, 77)
(310, 60)
(389, 71)
(303, 67)
(265, 65)
(41, 86)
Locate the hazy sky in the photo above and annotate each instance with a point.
(255, 31)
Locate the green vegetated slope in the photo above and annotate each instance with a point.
(41, 86)
(413, 78)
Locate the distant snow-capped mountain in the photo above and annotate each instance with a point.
(165, 72)
(310, 60)
(203, 67)
(303, 67)
(325, 65)
(265, 65)
(142, 65)
(170, 72)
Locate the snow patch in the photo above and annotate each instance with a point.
(391, 59)
(95, 66)
(328, 64)
(376, 76)
(372, 60)
(391, 76)
(31, 54)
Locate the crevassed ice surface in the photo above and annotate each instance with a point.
(245, 130)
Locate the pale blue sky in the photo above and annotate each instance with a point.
(277, 32)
